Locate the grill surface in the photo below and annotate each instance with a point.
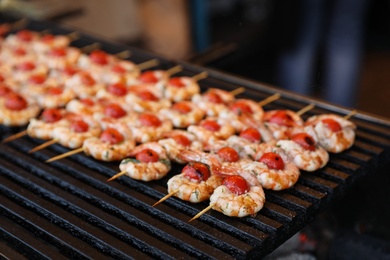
(67, 209)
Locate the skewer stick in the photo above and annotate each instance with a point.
(91, 47)
(119, 174)
(165, 197)
(269, 99)
(18, 24)
(15, 136)
(42, 146)
(174, 70)
(202, 212)
(200, 76)
(73, 36)
(148, 64)
(123, 54)
(55, 158)
(237, 91)
(351, 114)
(305, 109)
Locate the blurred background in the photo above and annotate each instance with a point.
(335, 50)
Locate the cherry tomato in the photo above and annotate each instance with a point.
(148, 77)
(55, 91)
(281, 117)
(149, 120)
(51, 115)
(182, 107)
(117, 89)
(272, 160)
(228, 154)
(176, 82)
(99, 57)
(213, 97)
(86, 79)
(211, 125)
(25, 35)
(70, 70)
(236, 184)
(332, 124)
(79, 126)
(117, 68)
(146, 95)
(182, 140)
(4, 90)
(251, 134)
(241, 107)
(147, 155)
(25, 66)
(114, 110)
(4, 29)
(20, 51)
(37, 79)
(47, 38)
(196, 171)
(87, 101)
(15, 101)
(58, 52)
(111, 136)
(2, 78)
(304, 140)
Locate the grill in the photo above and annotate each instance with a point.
(67, 209)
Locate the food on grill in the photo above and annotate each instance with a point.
(15, 110)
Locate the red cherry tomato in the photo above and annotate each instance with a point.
(86, 79)
(25, 66)
(149, 120)
(51, 115)
(99, 57)
(117, 89)
(304, 140)
(182, 140)
(147, 156)
(228, 154)
(196, 171)
(55, 91)
(87, 101)
(47, 38)
(25, 35)
(37, 79)
(281, 117)
(70, 70)
(213, 97)
(251, 134)
(2, 78)
(4, 29)
(79, 126)
(146, 95)
(236, 184)
(114, 110)
(20, 51)
(117, 68)
(241, 107)
(111, 136)
(211, 125)
(332, 124)
(176, 82)
(4, 90)
(14, 101)
(58, 52)
(182, 107)
(148, 77)
(272, 160)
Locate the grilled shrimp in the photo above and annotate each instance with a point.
(213, 101)
(280, 122)
(143, 100)
(151, 162)
(335, 134)
(181, 88)
(210, 130)
(182, 114)
(84, 84)
(19, 113)
(147, 127)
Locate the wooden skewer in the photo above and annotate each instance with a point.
(15, 136)
(237, 91)
(269, 99)
(55, 158)
(73, 36)
(305, 109)
(148, 64)
(200, 76)
(91, 47)
(351, 114)
(174, 70)
(165, 197)
(42, 146)
(202, 212)
(18, 24)
(123, 54)
(119, 174)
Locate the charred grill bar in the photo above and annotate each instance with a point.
(66, 209)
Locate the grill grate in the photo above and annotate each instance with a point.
(66, 209)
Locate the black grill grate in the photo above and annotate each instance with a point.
(67, 209)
